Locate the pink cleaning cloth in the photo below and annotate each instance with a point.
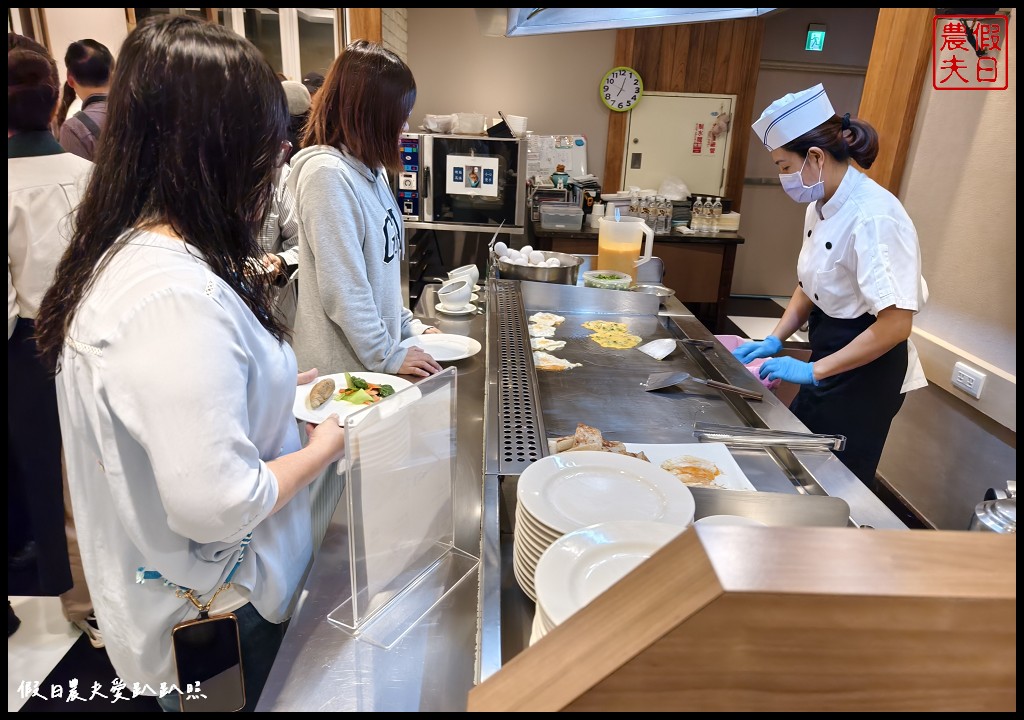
(732, 342)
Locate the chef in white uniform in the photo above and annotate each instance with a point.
(860, 280)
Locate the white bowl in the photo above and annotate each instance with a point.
(472, 271)
(516, 123)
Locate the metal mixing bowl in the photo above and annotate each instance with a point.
(567, 274)
(653, 289)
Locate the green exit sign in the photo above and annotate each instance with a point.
(815, 38)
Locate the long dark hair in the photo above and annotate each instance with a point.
(364, 102)
(196, 122)
(90, 63)
(842, 138)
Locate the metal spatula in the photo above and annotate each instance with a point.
(659, 380)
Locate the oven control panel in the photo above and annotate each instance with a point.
(408, 185)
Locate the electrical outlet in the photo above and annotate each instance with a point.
(968, 379)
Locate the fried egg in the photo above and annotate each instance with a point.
(546, 318)
(544, 361)
(541, 331)
(541, 343)
(693, 470)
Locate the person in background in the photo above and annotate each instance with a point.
(175, 388)
(43, 185)
(860, 280)
(89, 65)
(313, 82)
(350, 313)
(279, 239)
(298, 110)
(15, 42)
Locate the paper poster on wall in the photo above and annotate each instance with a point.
(472, 175)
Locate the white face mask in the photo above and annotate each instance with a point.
(793, 184)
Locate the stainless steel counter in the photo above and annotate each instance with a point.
(480, 626)
(432, 668)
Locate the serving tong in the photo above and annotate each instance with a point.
(658, 380)
(762, 437)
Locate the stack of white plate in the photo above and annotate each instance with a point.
(562, 493)
(583, 564)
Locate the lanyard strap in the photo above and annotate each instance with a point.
(142, 575)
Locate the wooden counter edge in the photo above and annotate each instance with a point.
(701, 565)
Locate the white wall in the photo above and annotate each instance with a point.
(960, 189)
(66, 25)
(551, 79)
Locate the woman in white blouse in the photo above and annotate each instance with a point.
(860, 280)
(175, 388)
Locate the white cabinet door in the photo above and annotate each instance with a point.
(669, 134)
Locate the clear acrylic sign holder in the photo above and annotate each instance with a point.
(400, 457)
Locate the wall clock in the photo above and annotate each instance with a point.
(621, 89)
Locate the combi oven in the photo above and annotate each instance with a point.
(455, 182)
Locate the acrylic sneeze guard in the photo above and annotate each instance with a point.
(402, 560)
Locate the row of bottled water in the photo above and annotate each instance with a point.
(656, 211)
(706, 215)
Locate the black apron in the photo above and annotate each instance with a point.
(858, 403)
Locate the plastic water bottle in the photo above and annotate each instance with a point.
(664, 216)
(716, 215)
(707, 215)
(697, 215)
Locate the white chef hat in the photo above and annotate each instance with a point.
(792, 115)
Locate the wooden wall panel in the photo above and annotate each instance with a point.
(709, 53)
(900, 58)
(625, 42)
(682, 44)
(694, 59)
(647, 59)
(365, 24)
(716, 57)
(668, 49)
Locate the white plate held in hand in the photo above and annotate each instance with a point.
(444, 347)
(303, 411)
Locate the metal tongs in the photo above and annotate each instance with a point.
(762, 437)
(659, 380)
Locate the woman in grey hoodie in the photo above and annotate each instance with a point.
(350, 314)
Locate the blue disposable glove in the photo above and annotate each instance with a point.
(757, 349)
(788, 369)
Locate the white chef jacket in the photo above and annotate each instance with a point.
(42, 191)
(172, 399)
(860, 255)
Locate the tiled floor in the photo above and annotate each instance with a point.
(48, 650)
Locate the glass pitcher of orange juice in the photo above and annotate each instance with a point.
(619, 244)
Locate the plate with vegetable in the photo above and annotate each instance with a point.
(347, 393)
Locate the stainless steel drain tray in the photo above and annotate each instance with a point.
(773, 508)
